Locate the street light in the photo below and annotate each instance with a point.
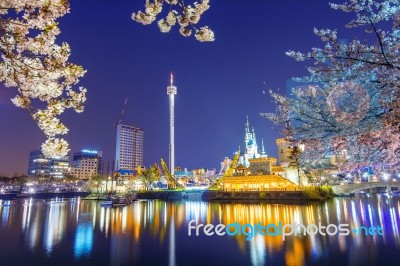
(365, 175)
(385, 176)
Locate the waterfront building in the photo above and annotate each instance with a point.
(86, 164)
(251, 146)
(182, 173)
(129, 148)
(285, 147)
(39, 166)
(262, 175)
(284, 151)
(326, 166)
(255, 171)
(203, 176)
(225, 164)
(59, 167)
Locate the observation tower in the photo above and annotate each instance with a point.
(171, 91)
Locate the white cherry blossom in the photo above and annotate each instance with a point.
(38, 67)
(368, 126)
(187, 16)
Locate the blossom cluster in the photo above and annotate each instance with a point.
(186, 16)
(354, 104)
(38, 67)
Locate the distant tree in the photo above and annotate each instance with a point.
(294, 162)
(95, 182)
(20, 181)
(69, 177)
(317, 174)
(42, 179)
(149, 176)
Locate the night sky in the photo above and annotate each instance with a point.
(219, 83)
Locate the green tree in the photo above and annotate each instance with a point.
(21, 181)
(295, 161)
(316, 174)
(69, 177)
(149, 176)
(95, 182)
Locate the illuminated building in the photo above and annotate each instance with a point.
(86, 163)
(262, 175)
(255, 171)
(225, 165)
(59, 167)
(129, 147)
(39, 166)
(284, 151)
(251, 146)
(285, 148)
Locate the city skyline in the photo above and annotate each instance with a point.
(221, 82)
(203, 132)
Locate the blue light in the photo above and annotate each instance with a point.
(90, 151)
(83, 240)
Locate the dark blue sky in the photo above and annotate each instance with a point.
(219, 83)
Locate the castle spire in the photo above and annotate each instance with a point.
(262, 147)
(247, 125)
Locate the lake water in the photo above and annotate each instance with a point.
(154, 232)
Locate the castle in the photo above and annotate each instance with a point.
(251, 147)
(255, 171)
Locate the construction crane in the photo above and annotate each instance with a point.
(118, 121)
(170, 179)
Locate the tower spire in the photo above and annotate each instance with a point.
(172, 91)
(262, 147)
(247, 124)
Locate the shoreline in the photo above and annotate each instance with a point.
(201, 195)
(44, 195)
(239, 196)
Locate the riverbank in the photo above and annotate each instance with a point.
(309, 194)
(283, 196)
(318, 193)
(44, 195)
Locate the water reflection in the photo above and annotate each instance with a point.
(155, 232)
(83, 239)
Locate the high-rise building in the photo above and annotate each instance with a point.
(86, 164)
(59, 167)
(40, 166)
(129, 148)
